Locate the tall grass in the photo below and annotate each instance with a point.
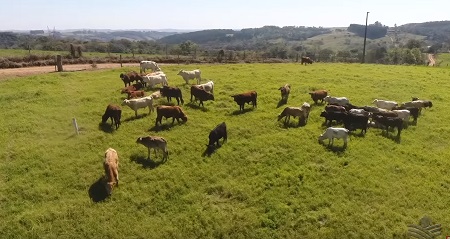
(267, 181)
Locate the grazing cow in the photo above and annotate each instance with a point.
(220, 131)
(149, 65)
(114, 112)
(200, 94)
(306, 60)
(336, 100)
(335, 108)
(333, 115)
(130, 77)
(136, 104)
(332, 133)
(301, 112)
(190, 75)
(169, 92)
(318, 95)
(285, 90)
(426, 103)
(174, 112)
(156, 94)
(208, 86)
(394, 122)
(246, 97)
(153, 80)
(135, 94)
(111, 166)
(356, 121)
(128, 89)
(154, 142)
(385, 104)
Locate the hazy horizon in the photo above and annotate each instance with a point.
(202, 14)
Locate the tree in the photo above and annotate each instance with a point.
(72, 50)
(413, 43)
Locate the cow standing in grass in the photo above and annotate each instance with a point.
(111, 167)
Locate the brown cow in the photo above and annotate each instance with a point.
(200, 94)
(246, 97)
(285, 90)
(318, 95)
(166, 111)
(135, 94)
(111, 166)
(114, 112)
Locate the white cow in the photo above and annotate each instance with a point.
(190, 75)
(403, 114)
(416, 103)
(156, 94)
(136, 104)
(208, 86)
(152, 79)
(385, 104)
(331, 133)
(149, 65)
(336, 100)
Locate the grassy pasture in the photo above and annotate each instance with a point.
(267, 181)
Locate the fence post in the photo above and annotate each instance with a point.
(75, 125)
(120, 59)
(59, 63)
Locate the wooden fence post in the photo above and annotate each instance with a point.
(120, 59)
(59, 64)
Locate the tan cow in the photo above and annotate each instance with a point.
(111, 166)
(154, 142)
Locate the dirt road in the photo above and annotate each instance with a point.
(26, 71)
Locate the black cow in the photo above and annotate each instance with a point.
(200, 94)
(356, 121)
(220, 131)
(169, 92)
(330, 116)
(306, 60)
(394, 122)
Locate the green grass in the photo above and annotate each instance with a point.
(267, 181)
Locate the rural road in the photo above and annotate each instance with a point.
(26, 71)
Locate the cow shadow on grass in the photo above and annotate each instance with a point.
(210, 150)
(145, 162)
(97, 191)
(240, 112)
(293, 124)
(335, 148)
(105, 127)
(193, 105)
(391, 136)
(132, 118)
(164, 127)
(281, 103)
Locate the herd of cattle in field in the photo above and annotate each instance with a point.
(384, 115)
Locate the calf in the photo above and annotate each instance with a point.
(111, 167)
(114, 112)
(135, 94)
(332, 133)
(220, 131)
(247, 97)
(394, 122)
(336, 100)
(385, 104)
(200, 94)
(169, 92)
(318, 95)
(174, 112)
(154, 142)
(136, 104)
(285, 90)
(190, 75)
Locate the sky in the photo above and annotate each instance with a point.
(212, 14)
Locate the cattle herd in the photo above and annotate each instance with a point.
(384, 115)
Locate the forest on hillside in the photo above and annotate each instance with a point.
(249, 45)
